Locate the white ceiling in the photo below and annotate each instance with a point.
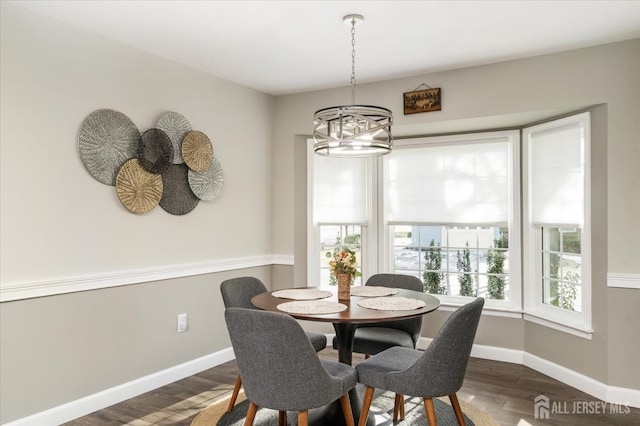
(282, 47)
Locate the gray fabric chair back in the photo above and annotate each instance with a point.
(406, 282)
(279, 367)
(412, 326)
(238, 292)
(441, 369)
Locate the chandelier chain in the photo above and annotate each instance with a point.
(353, 60)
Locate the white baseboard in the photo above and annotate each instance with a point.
(108, 397)
(623, 395)
(97, 401)
(493, 353)
(612, 394)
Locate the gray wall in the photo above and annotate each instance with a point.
(57, 220)
(62, 348)
(59, 224)
(604, 79)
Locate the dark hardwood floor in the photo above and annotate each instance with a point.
(505, 391)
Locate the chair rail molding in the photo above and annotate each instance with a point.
(623, 280)
(29, 290)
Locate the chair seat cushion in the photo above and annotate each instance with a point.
(318, 340)
(373, 371)
(341, 371)
(372, 340)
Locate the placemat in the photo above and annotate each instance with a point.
(302, 294)
(395, 303)
(312, 307)
(372, 291)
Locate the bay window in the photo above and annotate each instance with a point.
(447, 209)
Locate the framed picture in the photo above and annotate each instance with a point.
(422, 101)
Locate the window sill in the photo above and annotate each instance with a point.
(583, 332)
(490, 311)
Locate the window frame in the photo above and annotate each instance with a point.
(535, 310)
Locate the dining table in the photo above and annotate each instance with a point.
(321, 304)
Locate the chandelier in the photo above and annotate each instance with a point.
(352, 130)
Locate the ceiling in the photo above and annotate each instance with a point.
(283, 47)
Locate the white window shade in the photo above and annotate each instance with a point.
(341, 190)
(456, 183)
(556, 174)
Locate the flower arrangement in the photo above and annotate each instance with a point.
(344, 262)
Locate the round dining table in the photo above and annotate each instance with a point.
(345, 324)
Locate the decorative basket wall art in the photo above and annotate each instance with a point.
(176, 126)
(169, 165)
(106, 140)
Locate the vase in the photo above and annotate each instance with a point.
(344, 286)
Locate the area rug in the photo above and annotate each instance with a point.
(381, 410)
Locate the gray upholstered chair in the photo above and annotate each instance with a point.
(438, 371)
(280, 368)
(237, 293)
(369, 339)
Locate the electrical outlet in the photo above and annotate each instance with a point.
(183, 324)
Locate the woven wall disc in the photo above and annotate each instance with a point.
(197, 151)
(139, 190)
(177, 197)
(176, 126)
(208, 184)
(155, 150)
(107, 139)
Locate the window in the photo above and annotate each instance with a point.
(340, 213)
(561, 268)
(557, 243)
(455, 261)
(451, 210)
(332, 238)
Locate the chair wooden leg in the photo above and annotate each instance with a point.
(234, 395)
(456, 409)
(251, 414)
(366, 404)
(345, 402)
(282, 418)
(303, 418)
(431, 412)
(398, 407)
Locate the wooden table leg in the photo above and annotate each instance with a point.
(344, 338)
